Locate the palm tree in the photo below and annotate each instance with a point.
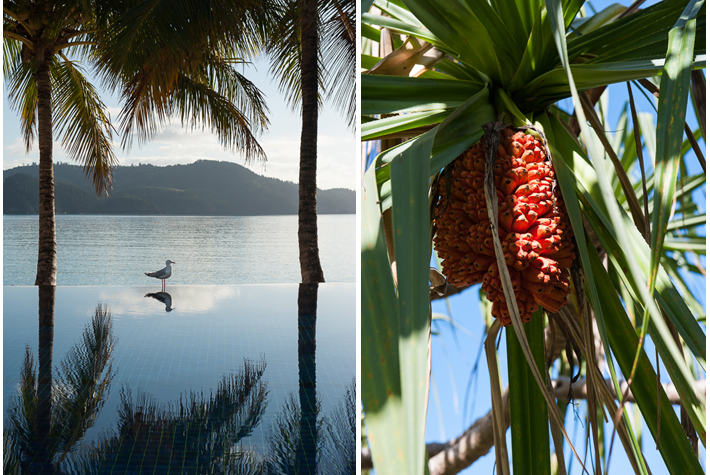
(179, 60)
(163, 63)
(48, 87)
(313, 55)
(440, 75)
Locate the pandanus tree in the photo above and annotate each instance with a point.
(572, 225)
(165, 60)
(313, 56)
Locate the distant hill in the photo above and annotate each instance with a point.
(203, 188)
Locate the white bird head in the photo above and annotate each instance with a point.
(168, 262)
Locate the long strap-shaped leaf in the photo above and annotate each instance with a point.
(566, 182)
(566, 152)
(492, 135)
(528, 410)
(412, 248)
(673, 444)
(381, 387)
(499, 425)
(555, 13)
(673, 100)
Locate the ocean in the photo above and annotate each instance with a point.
(217, 373)
(208, 250)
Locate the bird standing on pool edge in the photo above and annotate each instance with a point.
(163, 273)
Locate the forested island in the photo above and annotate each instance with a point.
(203, 188)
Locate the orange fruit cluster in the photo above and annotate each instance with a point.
(533, 227)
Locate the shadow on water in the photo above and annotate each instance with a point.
(198, 433)
(164, 298)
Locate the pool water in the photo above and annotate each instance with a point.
(199, 379)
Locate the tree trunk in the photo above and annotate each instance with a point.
(47, 257)
(311, 270)
(307, 450)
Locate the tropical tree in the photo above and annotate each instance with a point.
(48, 88)
(172, 60)
(440, 76)
(313, 56)
(163, 62)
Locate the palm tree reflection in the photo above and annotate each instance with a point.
(335, 447)
(301, 441)
(48, 417)
(308, 430)
(197, 434)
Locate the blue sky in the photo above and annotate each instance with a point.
(337, 145)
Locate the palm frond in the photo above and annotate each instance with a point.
(156, 47)
(285, 56)
(339, 49)
(196, 103)
(22, 92)
(84, 123)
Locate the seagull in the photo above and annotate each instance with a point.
(163, 273)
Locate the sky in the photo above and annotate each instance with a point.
(337, 146)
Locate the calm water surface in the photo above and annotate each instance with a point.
(117, 250)
(228, 371)
(162, 360)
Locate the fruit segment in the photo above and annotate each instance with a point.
(533, 228)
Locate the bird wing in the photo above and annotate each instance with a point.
(159, 274)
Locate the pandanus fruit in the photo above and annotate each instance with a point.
(533, 228)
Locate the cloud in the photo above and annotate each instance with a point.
(130, 301)
(175, 144)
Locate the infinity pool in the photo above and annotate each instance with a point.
(218, 379)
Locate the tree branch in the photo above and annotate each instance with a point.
(458, 453)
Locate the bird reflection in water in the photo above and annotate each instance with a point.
(165, 298)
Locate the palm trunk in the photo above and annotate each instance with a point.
(307, 450)
(307, 215)
(47, 257)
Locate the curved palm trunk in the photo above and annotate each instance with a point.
(47, 257)
(307, 215)
(307, 450)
